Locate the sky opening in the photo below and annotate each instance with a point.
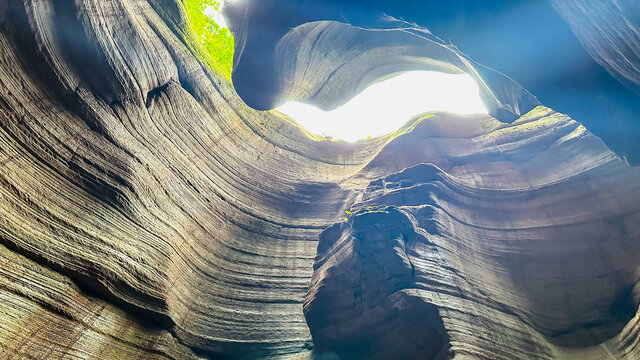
(386, 106)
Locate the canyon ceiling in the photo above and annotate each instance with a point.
(150, 208)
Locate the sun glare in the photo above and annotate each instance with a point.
(216, 15)
(386, 106)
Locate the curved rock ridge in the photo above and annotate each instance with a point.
(610, 33)
(511, 244)
(578, 58)
(326, 63)
(147, 212)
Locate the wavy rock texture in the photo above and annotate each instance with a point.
(516, 241)
(134, 171)
(147, 212)
(610, 32)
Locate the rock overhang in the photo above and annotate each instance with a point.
(521, 54)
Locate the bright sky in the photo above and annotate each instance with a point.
(385, 106)
(216, 15)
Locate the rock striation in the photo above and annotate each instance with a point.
(147, 212)
(499, 249)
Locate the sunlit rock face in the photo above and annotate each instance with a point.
(147, 212)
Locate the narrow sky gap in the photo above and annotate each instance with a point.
(385, 106)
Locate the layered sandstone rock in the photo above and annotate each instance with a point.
(511, 243)
(147, 212)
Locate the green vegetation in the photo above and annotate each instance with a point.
(217, 40)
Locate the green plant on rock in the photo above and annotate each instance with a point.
(217, 40)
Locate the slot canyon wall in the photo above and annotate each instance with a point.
(146, 211)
